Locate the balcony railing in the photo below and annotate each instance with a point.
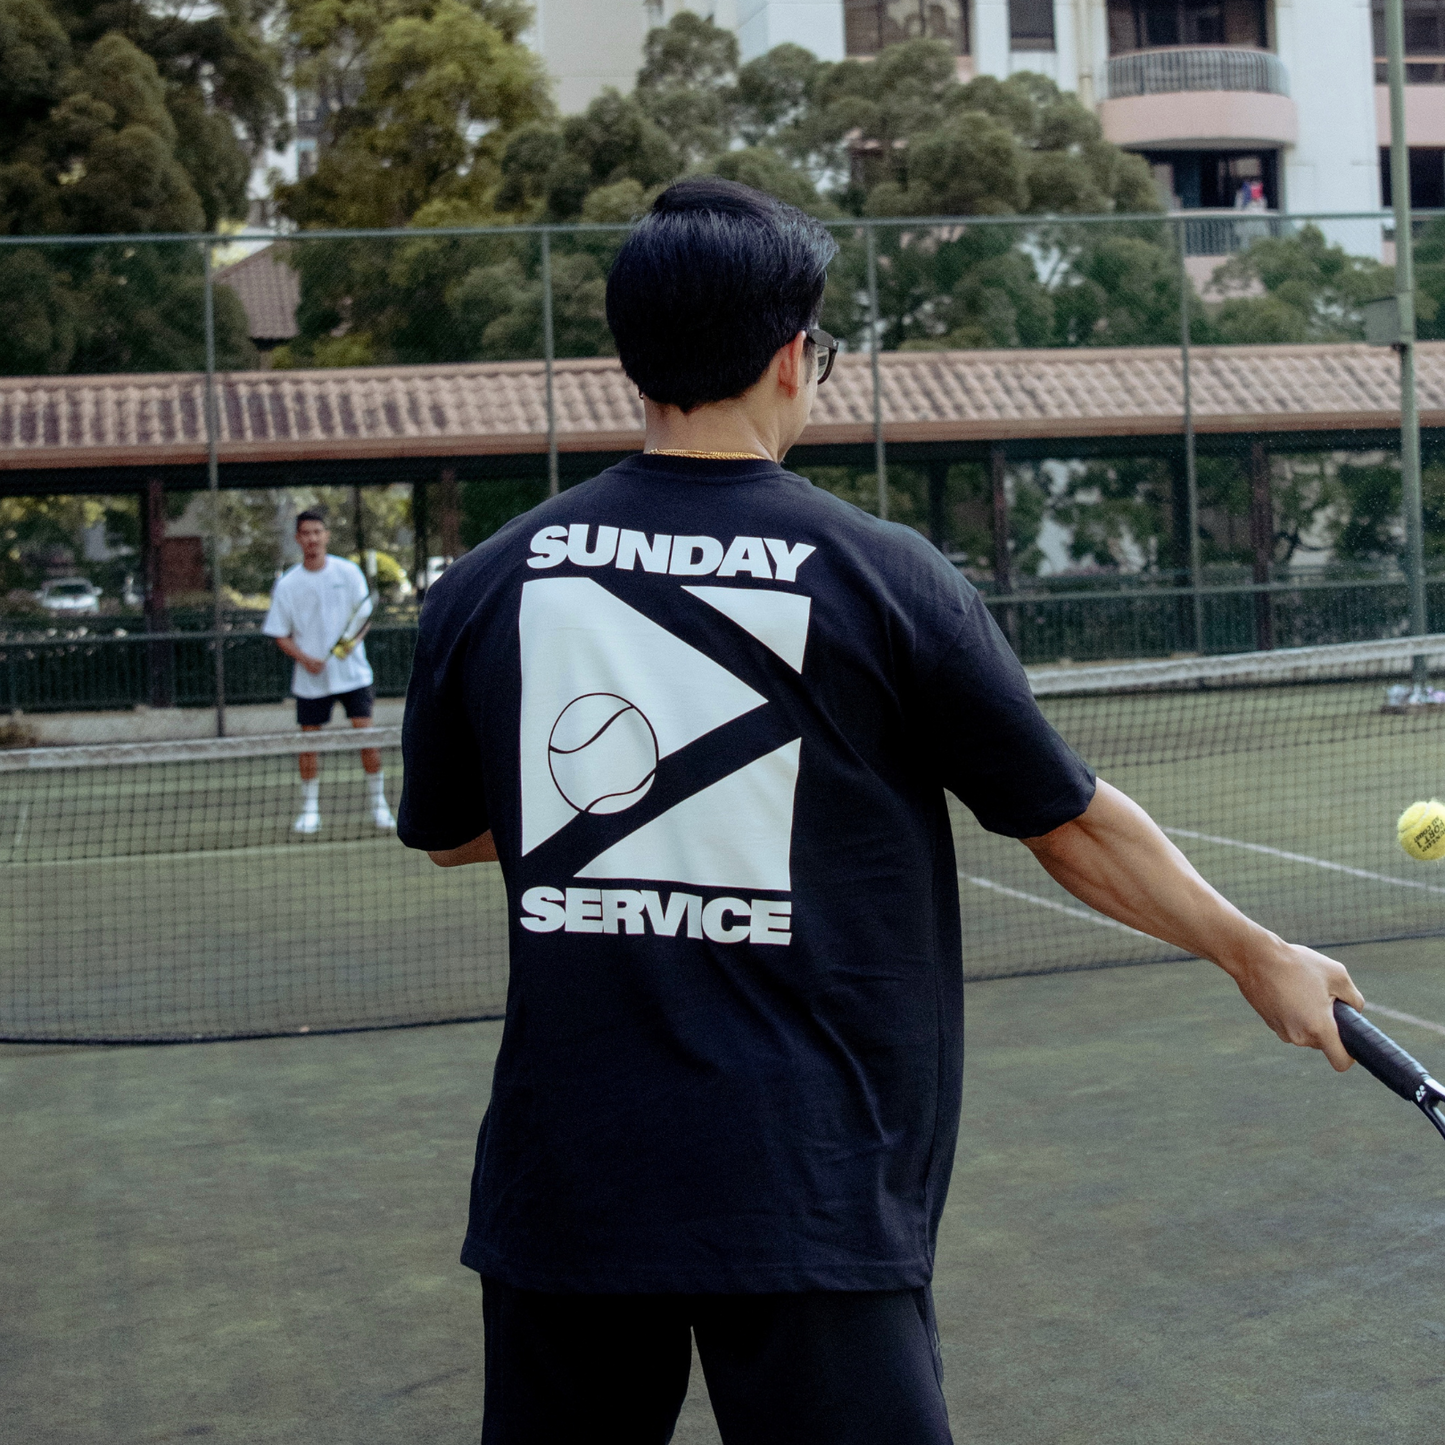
(1196, 67)
(1222, 233)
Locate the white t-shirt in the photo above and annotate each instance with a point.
(313, 609)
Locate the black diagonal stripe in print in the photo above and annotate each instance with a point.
(703, 762)
(714, 634)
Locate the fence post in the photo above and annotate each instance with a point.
(1261, 539)
(1405, 302)
(420, 540)
(880, 457)
(1002, 558)
(549, 356)
(451, 515)
(1191, 467)
(938, 503)
(213, 486)
(159, 689)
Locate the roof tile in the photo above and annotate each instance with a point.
(500, 407)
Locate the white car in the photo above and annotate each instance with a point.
(69, 594)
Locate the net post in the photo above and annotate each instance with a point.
(549, 357)
(213, 486)
(880, 456)
(1405, 345)
(1191, 468)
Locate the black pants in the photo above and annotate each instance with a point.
(781, 1369)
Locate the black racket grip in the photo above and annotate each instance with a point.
(1379, 1053)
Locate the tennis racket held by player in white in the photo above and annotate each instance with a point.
(355, 628)
(1378, 1053)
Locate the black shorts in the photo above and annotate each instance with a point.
(817, 1368)
(315, 712)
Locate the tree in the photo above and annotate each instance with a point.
(122, 118)
(1296, 288)
(421, 98)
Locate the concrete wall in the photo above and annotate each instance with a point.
(1328, 49)
(816, 25)
(588, 45)
(1424, 115)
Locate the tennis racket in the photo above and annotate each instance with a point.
(1390, 1064)
(351, 633)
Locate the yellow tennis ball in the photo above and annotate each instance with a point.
(1421, 830)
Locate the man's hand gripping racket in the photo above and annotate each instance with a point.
(1390, 1064)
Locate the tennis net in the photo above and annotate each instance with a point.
(1279, 774)
(156, 892)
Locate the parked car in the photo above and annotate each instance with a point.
(69, 594)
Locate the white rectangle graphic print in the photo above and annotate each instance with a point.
(606, 692)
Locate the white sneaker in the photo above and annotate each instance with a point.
(381, 816)
(308, 822)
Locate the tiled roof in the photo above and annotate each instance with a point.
(498, 408)
(270, 291)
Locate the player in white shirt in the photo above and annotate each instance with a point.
(320, 610)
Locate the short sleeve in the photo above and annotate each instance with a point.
(443, 799)
(278, 620)
(991, 746)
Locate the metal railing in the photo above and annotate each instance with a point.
(1224, 233)
(1196, 67)
(96, 672)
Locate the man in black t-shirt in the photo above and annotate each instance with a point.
(705, 715)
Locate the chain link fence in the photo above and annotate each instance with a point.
(1181, 540)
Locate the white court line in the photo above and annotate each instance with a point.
(259, 850)
(1086, 914)
(1394, 1013)
(19, 837)
(1305, 858)
(1089, 916)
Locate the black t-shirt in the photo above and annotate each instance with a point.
(709, 713)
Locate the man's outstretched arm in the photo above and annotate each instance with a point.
(1115, 858)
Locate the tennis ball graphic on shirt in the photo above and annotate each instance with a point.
(602, 752)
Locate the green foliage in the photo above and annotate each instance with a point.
(121, 118)
(1119, 513)
(488, 505)
(1297, 288)
(422, 99)
(900, 135)
(112, 308)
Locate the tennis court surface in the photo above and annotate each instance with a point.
(1164, 1227)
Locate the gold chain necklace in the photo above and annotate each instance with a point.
(707, 456)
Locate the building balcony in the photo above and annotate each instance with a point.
(1183, 68)
(1198, 97)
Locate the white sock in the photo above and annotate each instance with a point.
(311, 795)
(376, 788)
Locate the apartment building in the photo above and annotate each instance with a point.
(1214, 93)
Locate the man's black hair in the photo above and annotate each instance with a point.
(716, 277)
(310, 515)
